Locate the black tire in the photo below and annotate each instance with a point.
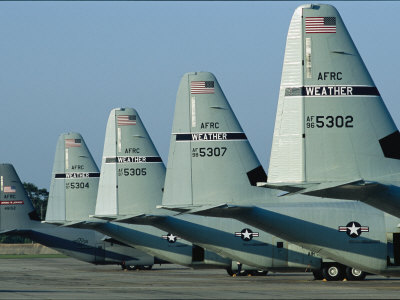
(318, 275)
(258, 273)
(333, 272)
(131, 268)
(229, 271)
(353, 274)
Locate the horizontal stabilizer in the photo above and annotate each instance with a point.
(349, 191)
(191, 209)
(337, 190)
(114, 241)
(179, 209)
(12, 231)
(105, 217)
(287, 187)
(222, 210)
(74, 224)
(87, 224)
(142, 219)
(57, 223)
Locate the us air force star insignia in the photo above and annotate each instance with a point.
(170, 238)
(246, 234)
(353, 229)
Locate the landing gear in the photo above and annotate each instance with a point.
(333, 272)
(246, 273)
(133, 267)
(318, 275)
(257, 273)
(354, 274)
(230, 272)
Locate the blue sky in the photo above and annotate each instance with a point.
(65, 65)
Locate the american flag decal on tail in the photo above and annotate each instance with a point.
(202, 87)
(320, 24)
(9, 189)
(72, 143)
(123, 120)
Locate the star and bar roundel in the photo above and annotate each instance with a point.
(353, 229)
(247, 234)
(171, 238)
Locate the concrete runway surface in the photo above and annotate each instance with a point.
(66, 278)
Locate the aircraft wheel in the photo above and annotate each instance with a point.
(258, 273)
(230, 272)
(131, 268)
(354, 274)
(146, 268)
(333, 272)
(318, 275)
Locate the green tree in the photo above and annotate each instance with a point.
(39, 198)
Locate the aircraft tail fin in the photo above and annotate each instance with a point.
(74, 181)
(210, 158)
(331, 123)
(132, 172)
(16, 209)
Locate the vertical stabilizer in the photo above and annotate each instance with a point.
(132, 172)
(210, 158)
(331, 123)
(16, 209)
(74, 181)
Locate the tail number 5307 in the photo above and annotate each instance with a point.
(208, 151)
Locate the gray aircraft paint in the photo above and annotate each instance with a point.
(226, 186)
(18, 217)
(213, 234)
(334, 136)
(75, 176)
(132, 179)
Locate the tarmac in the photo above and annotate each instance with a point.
(67, 278)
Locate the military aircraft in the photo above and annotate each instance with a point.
(214, 171)
(18, 217)
(228, 238)
(351, 146)
(132, 179)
